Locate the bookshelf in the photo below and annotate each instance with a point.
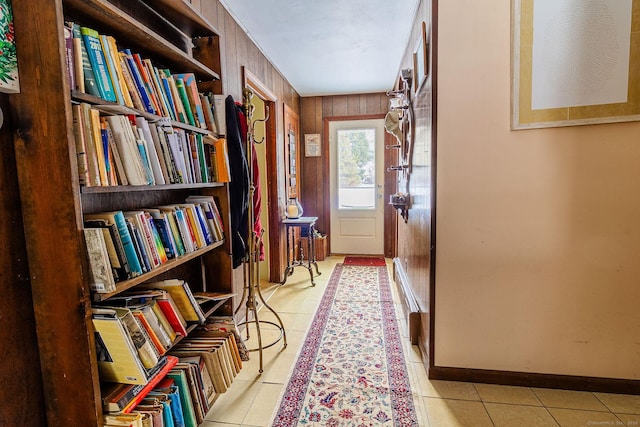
(54, 202)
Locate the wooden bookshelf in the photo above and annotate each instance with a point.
(53, 202)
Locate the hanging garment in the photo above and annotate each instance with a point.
(239, 185)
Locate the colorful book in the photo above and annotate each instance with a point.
(182, 92)
(117, 218)
(89, 82)
(111, 68)
(98, 63)
(193, 95)
(136, 75)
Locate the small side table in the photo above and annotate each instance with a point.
(306, 225)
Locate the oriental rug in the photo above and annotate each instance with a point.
(351, 369)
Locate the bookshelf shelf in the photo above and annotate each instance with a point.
(148, 188)
(104, 14)
(168, 266)
(55, 205)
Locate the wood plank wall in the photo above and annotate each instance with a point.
(313, 112)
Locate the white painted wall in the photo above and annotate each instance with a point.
(538, 231)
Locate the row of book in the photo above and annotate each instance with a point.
(97, 66)
(125, 244)
(141, 348)
(128, 149)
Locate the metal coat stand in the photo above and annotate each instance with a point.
(251, 294)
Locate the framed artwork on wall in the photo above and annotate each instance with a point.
(574, 63)
(312, 145)
(421, 58)
(9, 80)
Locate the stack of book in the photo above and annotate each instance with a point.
(98, 67)
(128, 149)
(141, 337)
(125, 244)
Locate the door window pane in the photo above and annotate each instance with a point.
(356, 168)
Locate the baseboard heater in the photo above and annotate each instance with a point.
(408, 301)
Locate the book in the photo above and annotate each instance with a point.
(207, 389)
(219, 114)
(117, 256)
(175, 232)
(138, 81)
(127, 146)
(68, 44)
(227, 324)
(101, 277)
(99, 149)
(115, 153)
(90, 84)
(150, 147)
(182, 296)
(221, 160)
(211, 352)
(177, 100)
(118, 359)
(98, 63)
(117, 218)
(138, 244)
(76, 41)
(117, 64)
(90, 146)
(165, 235)
(186, 400)
(146, 353)
(132, 88)
(207, 109)
(173, 314)
(139, 220)
(80, 143)
(193, 96)
(170, 362)
(209, 208)
(167, 392)
(146, 81)
(111, 69)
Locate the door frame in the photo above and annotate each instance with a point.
(390, 183)
(275, 234)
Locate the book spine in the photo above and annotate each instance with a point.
(98, 64)
(139, 82)
(127, 243)
(90, 84)
(68, 44)
(182, 91)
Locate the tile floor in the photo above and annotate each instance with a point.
(252, 398)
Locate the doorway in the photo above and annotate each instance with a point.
(264, 119)
(357, 186)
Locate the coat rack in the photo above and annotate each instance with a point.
(399, 123)
(251, 294)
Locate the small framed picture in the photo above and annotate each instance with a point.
(421, 58)
(312, 145)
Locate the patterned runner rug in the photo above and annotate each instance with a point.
(351, 369)
(364, 260)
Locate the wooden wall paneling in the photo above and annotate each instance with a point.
(340, 105)
(20, 376)
(231, 77)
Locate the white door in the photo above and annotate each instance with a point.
(357, 186)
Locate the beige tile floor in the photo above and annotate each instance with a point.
(252, 398)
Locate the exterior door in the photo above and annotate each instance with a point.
(357, 186)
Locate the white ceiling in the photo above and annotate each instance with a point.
(330, 47)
